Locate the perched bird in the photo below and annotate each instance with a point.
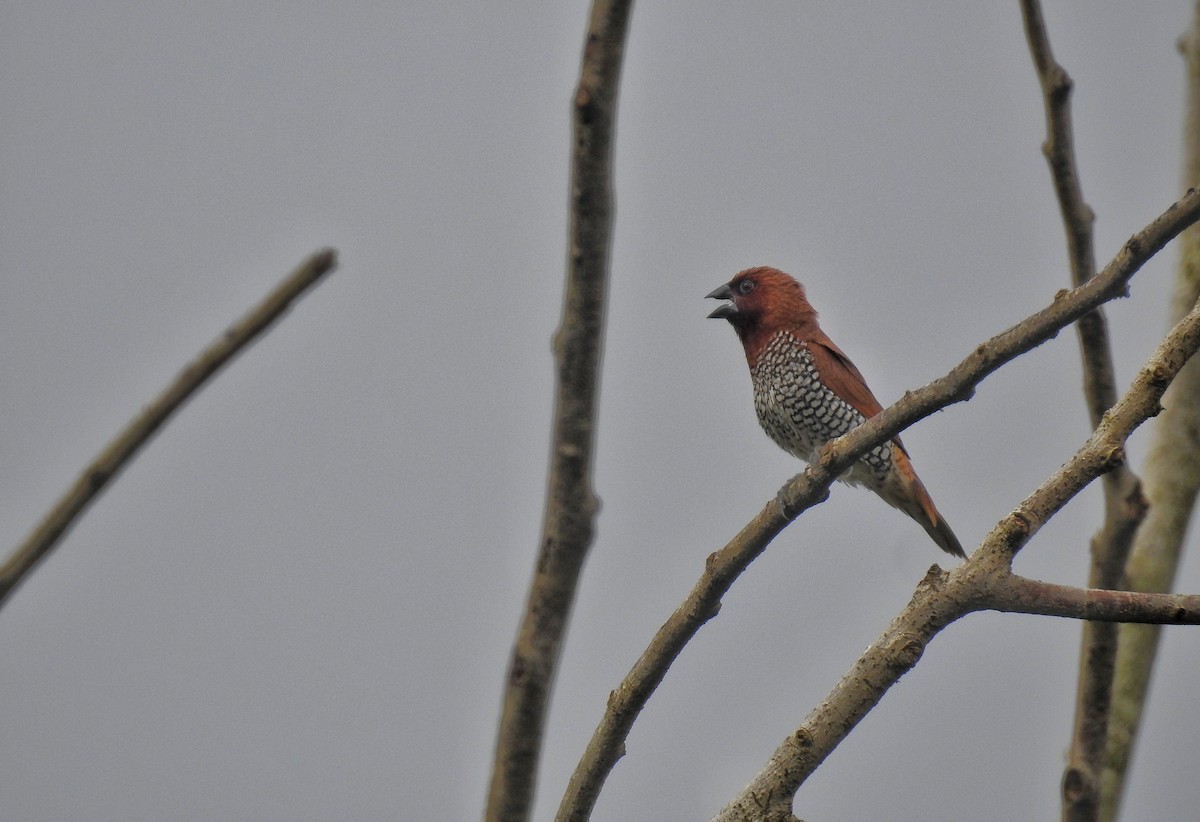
(807, 392)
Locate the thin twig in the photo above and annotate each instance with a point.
(571, 505)
(1124, 505)
(979, 584)
(809, 488)
(117, 454)
(1059, 150)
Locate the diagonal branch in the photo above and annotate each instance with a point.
(571, 505)
(1124, 505)
(983, 582)
(811, 487)
(959, 384)
(126, 445)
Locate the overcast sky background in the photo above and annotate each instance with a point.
(298, 603)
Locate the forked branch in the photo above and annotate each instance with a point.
(984, 582)
(809, 488)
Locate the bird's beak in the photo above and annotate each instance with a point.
(722, 312)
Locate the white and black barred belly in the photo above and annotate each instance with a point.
(801, 414)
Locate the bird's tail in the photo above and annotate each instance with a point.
(912, 498)
(939, 529)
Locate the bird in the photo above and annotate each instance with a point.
(807, 392)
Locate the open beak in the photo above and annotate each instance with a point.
(722, 312)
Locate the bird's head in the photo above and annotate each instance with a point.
(762, 301)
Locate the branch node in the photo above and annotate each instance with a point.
(1019, 524)
(583, 97)
(1114, 457)
(905, 651)
(1075, 784)
(934, 580)
(1135, 505)
(798, 487)
(710, 564)
(1160, 374)
(1061, 84)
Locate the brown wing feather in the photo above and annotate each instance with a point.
(841, 375)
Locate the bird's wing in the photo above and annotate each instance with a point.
(844, 378)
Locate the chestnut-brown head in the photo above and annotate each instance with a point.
(763, 301)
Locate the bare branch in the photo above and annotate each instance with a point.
(571, 505)
(1124, 505)
(981, 583)
(1059, 149)
(812, 486)
(959, 384)
(1172, 481)
(125, 446)
(1017, 594)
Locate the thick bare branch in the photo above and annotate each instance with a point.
(981, 583)
(125, 446)
(571, 505)
(812, 486)
(1017, 594)
(1172, 481)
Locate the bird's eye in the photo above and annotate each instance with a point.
(745, 286)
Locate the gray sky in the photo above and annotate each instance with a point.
(298, 603)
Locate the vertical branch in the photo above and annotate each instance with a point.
(1172, 478)
(1059, 149)
(1124, 505)
(571, 505)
